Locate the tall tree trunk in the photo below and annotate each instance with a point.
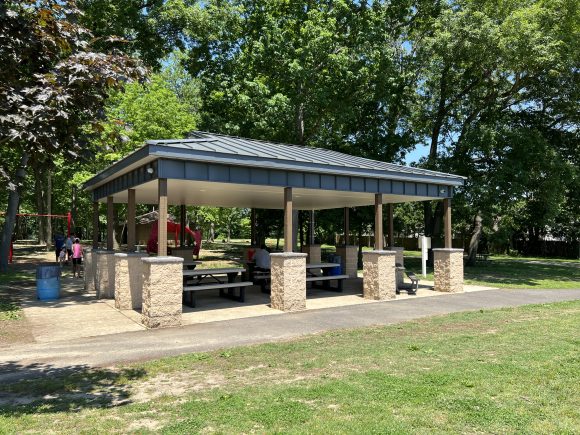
(10, 217)
(474, 242)
(299, 118)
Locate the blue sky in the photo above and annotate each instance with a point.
(419, 151)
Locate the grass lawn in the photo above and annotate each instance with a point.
(502, 371)
(508, 272)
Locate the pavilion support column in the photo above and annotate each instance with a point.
(378, 222)
(379, 275)
(288, 281)
(288, 219)
(391, 240)
(448, 262)
(128, 280)
(312, 250)
(110, 223)
(348, 253)
(253, 241)
(346, 226)
(162, 222)
(162, 285)
(131, 227)
(95, 225)
(182, 219)
(288, 269)
(447, 223)
(311, 229)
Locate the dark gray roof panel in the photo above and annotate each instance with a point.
(229, 145)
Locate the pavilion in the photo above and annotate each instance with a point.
(218, 170)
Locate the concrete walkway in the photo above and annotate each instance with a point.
(39, 358)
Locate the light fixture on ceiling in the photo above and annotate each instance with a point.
(150, 170)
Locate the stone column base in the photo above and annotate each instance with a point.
(128, 280)
(89, 269)
(313, 253)
(349, 259)
(288, 286)
(379, 277)
(162, 291)
(448, 270)
(104, 274)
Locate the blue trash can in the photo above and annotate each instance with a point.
(47, 282)
(337, 270)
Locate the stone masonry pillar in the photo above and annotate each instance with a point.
(399, 259)
(128, 280)
(349, 259)
(379, 280)
(89, 269)
(105, 274)
(162, 291)
(288, 288)
(313, 253)
(448, 270)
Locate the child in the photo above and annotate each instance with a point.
(62, 256)
(77, 257)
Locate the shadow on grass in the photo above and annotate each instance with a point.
(44, 388)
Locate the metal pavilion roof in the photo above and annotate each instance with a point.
(220, 144)
(228, 171)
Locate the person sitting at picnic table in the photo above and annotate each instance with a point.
(262, 258)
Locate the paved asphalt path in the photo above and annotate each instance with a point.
(42, 359)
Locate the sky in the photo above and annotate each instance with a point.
(414, 156)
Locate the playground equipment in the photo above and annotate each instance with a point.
(174, 228)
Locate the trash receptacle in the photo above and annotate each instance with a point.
(47, 282)
(337, 270)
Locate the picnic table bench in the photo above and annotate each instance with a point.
(326, 277)
(212, 279)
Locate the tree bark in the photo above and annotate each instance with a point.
(474, 242)
(10, 218)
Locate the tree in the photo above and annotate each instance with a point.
(52, 85)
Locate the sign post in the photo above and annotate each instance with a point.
(424, 244)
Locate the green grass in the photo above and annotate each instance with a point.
(502, 371)
(506, 272)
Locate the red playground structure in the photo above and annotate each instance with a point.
(174, 228)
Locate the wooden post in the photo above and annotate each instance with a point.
(287, 219)
(391, 226)
(131, 229)
(378, 222)
(447, 222)
(182, 219)
(110, 223)
(253, 241)
(346, 226)
(95, 225)
(311, 229)
(162, 222)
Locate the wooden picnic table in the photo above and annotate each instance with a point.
(209, 279)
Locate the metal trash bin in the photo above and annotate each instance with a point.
(47, 282)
